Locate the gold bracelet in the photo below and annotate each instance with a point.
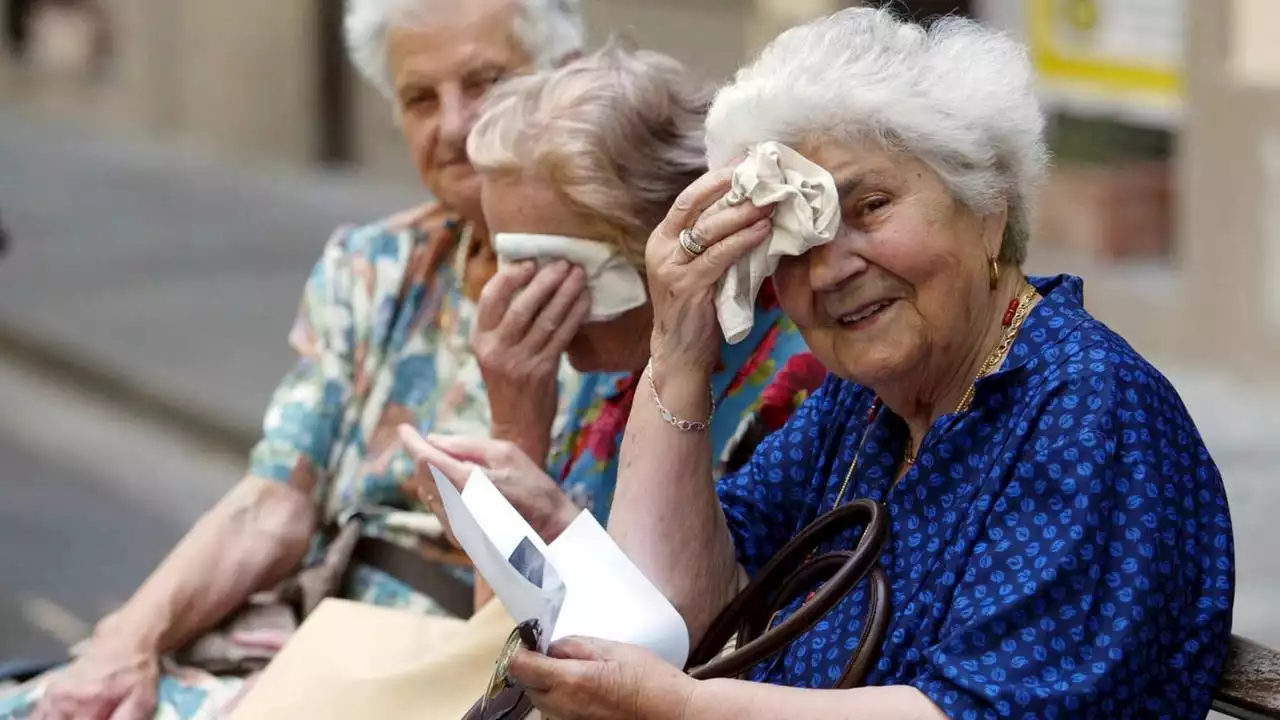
(672, 420)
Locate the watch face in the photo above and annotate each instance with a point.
(528, 634)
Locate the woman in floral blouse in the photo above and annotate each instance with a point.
(591, 155)
(381, 338)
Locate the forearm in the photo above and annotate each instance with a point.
(534, 442)
(665, 490)
(736, 699)
(250, 540)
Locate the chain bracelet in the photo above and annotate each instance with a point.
(675, 422)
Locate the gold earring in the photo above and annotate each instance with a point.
(993, 269)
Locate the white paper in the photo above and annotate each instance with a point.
(609, 598)
(481, 505)
(590, 587)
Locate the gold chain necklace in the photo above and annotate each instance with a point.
(1016, 314)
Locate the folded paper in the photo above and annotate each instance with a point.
(599, 593)
(806, 215)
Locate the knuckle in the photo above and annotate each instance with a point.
(506, 451)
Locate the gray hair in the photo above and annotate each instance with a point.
(619, 133)
(958, 96)
(548, 30)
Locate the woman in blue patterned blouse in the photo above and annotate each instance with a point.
(1059, 544)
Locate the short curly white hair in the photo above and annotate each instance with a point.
(548, 30)
(618, 133)
(958, 96)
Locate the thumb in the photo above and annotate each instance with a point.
(425, 454)
(581, 648)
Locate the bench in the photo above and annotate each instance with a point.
(1250, 687)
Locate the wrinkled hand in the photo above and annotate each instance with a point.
(590, 678)
(537, 498)
(110, 681)
(683, 288)
(525, 319)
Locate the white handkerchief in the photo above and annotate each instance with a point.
(807, 215)
(615, 284)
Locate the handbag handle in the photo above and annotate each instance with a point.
(783, 578)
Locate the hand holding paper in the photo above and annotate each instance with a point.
(589, 587)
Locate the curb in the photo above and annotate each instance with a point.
(71, 369)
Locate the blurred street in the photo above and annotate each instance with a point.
(169, 282)
(171, 279)
(90, 500)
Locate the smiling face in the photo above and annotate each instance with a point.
(902, 293)
(441, 71)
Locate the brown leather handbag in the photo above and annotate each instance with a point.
(790, 573)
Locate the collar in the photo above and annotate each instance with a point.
(1060, 312)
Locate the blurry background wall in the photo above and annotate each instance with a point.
(1165, 124)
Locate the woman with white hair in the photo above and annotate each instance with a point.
(382, 339)
(1056, 539)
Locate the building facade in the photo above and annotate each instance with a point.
(1182, 254)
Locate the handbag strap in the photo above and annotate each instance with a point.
(780, 582)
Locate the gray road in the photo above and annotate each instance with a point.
(161, 265)
(90, 500)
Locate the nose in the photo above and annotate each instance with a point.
(457, 114)
(836, 263)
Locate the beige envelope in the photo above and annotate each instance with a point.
(350, 660)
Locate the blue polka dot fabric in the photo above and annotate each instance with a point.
(1061, 550)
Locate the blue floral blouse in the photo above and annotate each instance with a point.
(584, 458)
(1061, 550)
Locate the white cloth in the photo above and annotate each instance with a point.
(615, 284)
(807, 215)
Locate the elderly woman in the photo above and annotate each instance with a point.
(590, 157)
(382, 339)
(1058, 541)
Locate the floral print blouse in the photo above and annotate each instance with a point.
(382, 339)
(584, 458)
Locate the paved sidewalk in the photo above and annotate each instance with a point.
(175, 275)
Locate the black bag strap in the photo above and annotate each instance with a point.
(787, 575)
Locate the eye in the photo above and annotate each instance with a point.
(480, 82)
(873, 204)
(419, 100)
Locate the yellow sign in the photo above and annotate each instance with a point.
(1126, 51)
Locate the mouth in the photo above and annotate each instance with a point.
(866, 314)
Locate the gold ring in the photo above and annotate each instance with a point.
(689, 244)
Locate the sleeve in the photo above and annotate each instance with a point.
(1101, 584)
(765, 501)
(305, 415)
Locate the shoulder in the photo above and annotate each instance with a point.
(1068, 363)
(1098, 419)
(384, 239)
(1096, 376)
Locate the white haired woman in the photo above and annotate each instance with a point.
(382, 340)
(1057, 541)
